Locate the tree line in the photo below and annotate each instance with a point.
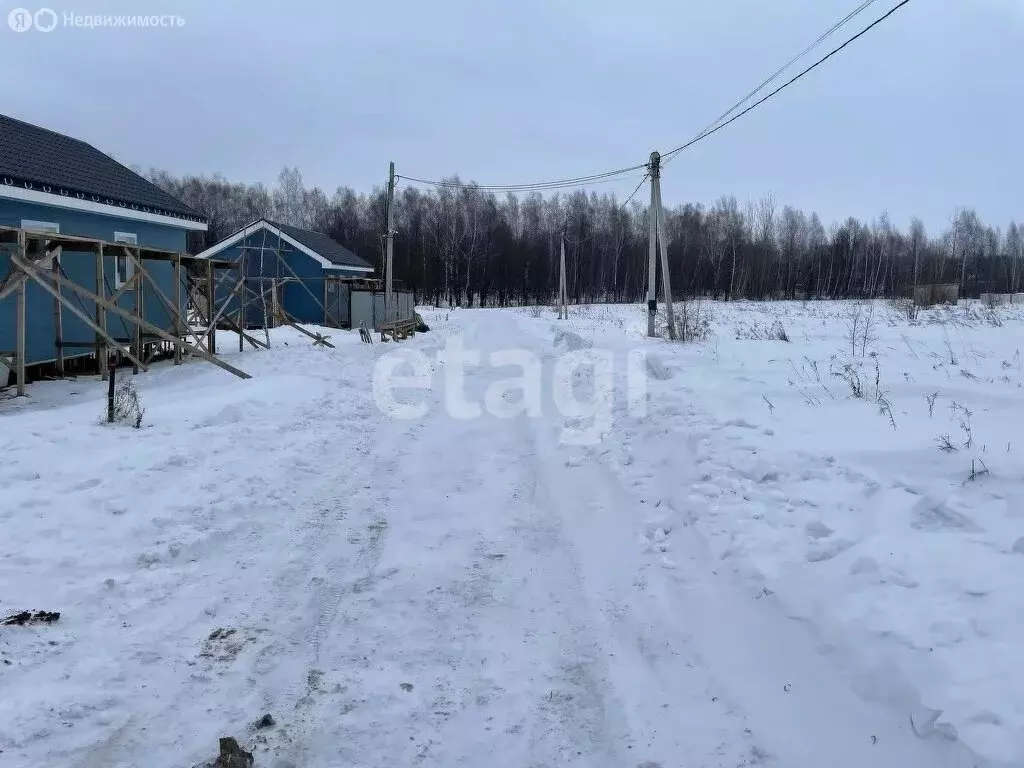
(465, 246)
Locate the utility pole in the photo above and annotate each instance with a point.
(656, 215)
(563, 309)
(389, 296)
(652, 255)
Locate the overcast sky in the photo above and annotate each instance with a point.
(922, 115)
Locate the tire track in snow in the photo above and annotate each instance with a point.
(798, 707)
(671, 716)
(341, 547)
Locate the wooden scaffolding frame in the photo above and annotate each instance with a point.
(271, 286)
(193, 323)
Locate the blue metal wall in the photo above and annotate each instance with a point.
(85, 224)
(80, 266)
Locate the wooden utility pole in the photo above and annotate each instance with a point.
(563, 308)
(389, 296)
(656, 216)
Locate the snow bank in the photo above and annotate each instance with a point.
(868, 472)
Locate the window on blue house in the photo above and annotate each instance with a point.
(35, 247)
(40, 226)
(124, 267)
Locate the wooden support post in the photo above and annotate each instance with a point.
(276, 304)
(211, 340)
(20, 326)
(101, 317)
(179, 332)
(144, 276)
(20, 330)
(58, 319)
(306, 288)
(112, 388)
(241, 300)
(137, 311)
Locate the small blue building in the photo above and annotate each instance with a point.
(291, 274)
(59, 193)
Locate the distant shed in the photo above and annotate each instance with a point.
(938, 293)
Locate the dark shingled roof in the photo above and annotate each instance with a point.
(320, 243)
(30, 155)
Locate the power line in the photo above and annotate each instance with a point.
(577, 181)
(712, 128)
(668, 155)
(771, 78)
(633, 194)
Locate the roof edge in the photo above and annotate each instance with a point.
(274, 228)
(123, 211)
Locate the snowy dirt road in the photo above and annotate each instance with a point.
(430, 591)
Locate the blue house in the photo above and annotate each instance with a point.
(73, 212)
(291, 275)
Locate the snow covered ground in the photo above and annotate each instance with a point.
(736, 563)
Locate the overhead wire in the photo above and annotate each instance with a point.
(771, 78)
(633, 193)
(703, 135)
(577, 181)
(717, 125)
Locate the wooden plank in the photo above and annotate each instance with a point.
(58, 319)
(211, 300)
(41, 279)
(20, 324)
(227, 302)
(275, 302)
(241, 303)
(101, 316)
(129, 285)
(256, 343)
(20, 329)
(72, 242)
(307, 289)
(319, 338)
(7, 367)
(177, 308)
(166, 302)
(137, 308)
(15, 279)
